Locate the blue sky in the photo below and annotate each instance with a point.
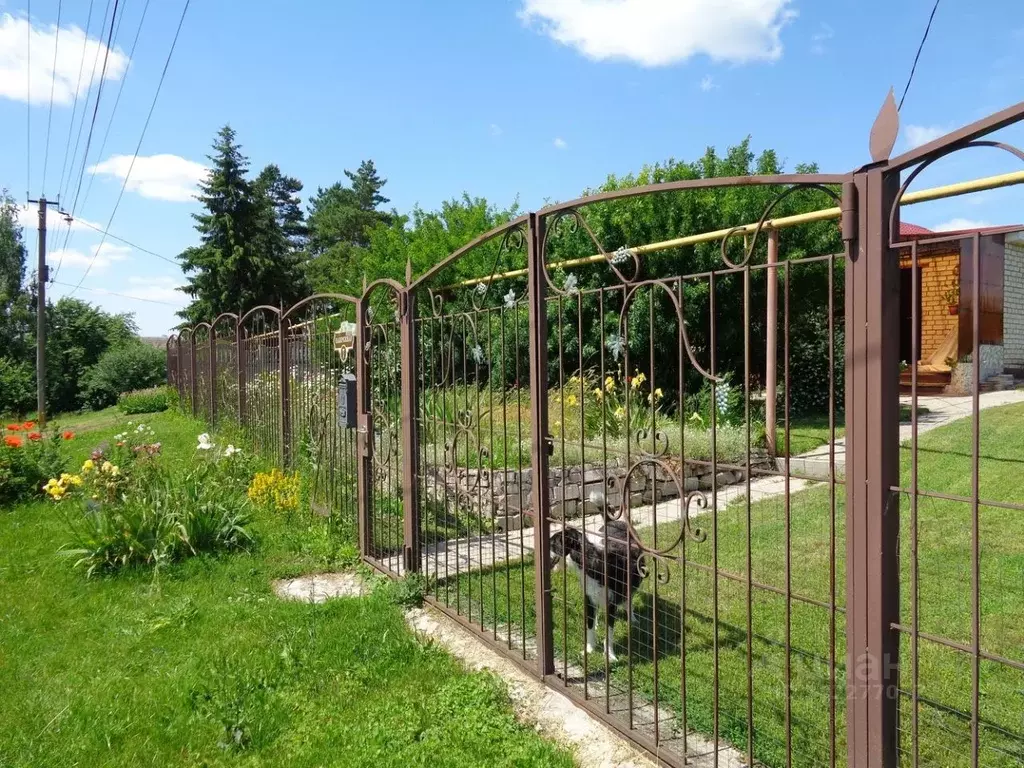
(527, 99)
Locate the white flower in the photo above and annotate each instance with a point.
(119, 437)
(570, 285)
(231, 450)
(204, 442)
(621, 256)
(478, 354)
(481, 288)
(614, 344)
(510, 299)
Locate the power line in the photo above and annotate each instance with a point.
(53, 81)
(81, 124)
(113, 293)
(28, 102)
(138, 146)
(917, 56)
(111, 235)
(74, 108)
(96, 105)
(120, 90)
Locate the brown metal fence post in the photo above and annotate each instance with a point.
(771, 344)
(872, 471)
(364, 435)
(541, 444)
(285, 389)
(181, 373)
(213, 373)
(192, 372)
(410, 427)
(240, 359)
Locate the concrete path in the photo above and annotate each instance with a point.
(453, 557)
(940, 411)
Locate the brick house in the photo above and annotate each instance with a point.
(945, 314)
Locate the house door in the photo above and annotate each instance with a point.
(907, 314)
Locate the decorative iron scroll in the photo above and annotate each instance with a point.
(465, 422)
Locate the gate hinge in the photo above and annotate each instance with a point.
(848, 219)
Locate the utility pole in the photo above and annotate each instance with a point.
(42, 275)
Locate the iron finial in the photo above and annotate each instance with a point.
(885, 129)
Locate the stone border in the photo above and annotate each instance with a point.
(506, 496)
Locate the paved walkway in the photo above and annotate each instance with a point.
(940, 411)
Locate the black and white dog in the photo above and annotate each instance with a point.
(588, 555)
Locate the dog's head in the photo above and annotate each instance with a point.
(566, 542)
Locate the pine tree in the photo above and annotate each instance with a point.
(249, 235)
(340, 221)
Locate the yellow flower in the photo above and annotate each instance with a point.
(75, 480)
(638, 380)
(571, 400)
(620, 412)
(655, 395)
(598, 393)
(115, 471)
(609, 384)
(88, 466)
(106, 467)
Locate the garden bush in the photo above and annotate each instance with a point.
(126, 508)
(120, 369)
(27, 458)
(17, 386)
(809, 366)
(152, 400)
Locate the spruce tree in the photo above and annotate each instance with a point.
(250, 234)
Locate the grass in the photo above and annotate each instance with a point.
(201, 665)
(944, 546)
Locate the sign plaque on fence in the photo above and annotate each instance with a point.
(344, 340)
(347, 401)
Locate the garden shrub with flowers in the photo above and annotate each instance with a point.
(276, 490)
(28, 457)
(125, 507)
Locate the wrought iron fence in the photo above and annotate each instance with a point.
(549, 394)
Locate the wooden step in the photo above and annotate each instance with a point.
(928, 382)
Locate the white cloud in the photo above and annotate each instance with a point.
(23, 66)
(161, 177)
(560, 143)
(99, 257)
(495, 129)
(159, 288)
(656, 33)
(819, 38)
(957, 224)
(922, 134)
(707, 83)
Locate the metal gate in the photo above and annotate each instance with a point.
(553, 393)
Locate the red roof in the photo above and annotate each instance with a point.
(915, 230)
(910, 230)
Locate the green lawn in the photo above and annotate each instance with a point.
(202, 665)
(944, 532)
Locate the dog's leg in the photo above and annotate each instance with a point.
(609, 641)
(591, 612)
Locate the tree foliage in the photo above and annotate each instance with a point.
(78, 335)
(341, 220)
(653, 332)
